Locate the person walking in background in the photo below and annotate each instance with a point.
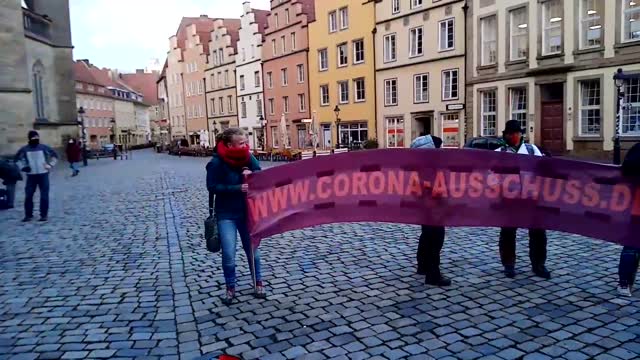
(74, 155)
(432, 237)
(36, 160)
(630, 256)
(513, 142)
(10, 175)
(232, 161)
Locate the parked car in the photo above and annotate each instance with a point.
(484, 143)
(108, 147)
(492, 143)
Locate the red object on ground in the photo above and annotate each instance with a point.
(228, 357)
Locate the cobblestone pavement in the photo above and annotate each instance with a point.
(120, 271)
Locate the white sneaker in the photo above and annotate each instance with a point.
(624, 291)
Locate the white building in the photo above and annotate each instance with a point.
(249, 74)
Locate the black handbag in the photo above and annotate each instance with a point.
(211, 229)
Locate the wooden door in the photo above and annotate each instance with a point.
(552, 127)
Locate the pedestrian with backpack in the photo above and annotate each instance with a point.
(513, 142)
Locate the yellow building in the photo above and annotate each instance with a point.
(342, 72)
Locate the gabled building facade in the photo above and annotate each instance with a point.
(194, 57)
(286, 72)
(220, 76)
(249, 74)
(342, 72)
(420, 62)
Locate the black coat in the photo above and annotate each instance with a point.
(9, 172)
(631, 164)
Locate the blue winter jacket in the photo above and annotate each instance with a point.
(225, 182)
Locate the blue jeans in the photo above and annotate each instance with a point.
(40, 181)
(628, 266)
(73, 166)
(228, 230)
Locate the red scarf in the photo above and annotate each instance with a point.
(235, 157)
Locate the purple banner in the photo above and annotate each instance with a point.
(448, 188)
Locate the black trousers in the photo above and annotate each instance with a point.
(537, 246)
(429, 247)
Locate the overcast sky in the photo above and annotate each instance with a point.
(126, 34)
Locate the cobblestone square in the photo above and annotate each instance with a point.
(121, 271)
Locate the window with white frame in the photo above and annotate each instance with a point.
(283, 43)
(275, 20)
(358, 51)
(353, 133)
(421, 88)
(300, 70)
(631, 113)
(284, 77)
(259, 107)
(631, 21)
(395, 132)
(294, 45)
(285, 104)
(395, 6)
(244, 54)
(590, 110)
(213, 106)
(221, 104)
(343, 92)
(488, 30)
(274, 47)
(416, 3)
(270, 80)
(591, 22)
(450, 84)
(519, 36)
(488, 111)
(272, 107)
(226, 78)
(243, 110)
(390, 48)
(552, 20)
(323, 60)
(287, 17)
(359, 90)
(230, 103)
(343, 57)
(415, 41)
(221, 55)
(241, 82)
(391, 92)
(324, 95)
(344, 18)
(333, 21)
(447, 34)
(220, 79)
(256, 78)
(518, 98)
(275, 137)
(302, 106)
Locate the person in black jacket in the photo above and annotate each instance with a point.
(630, 256)
(10, 174)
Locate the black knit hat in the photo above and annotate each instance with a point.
(33, 134)
(512, 126)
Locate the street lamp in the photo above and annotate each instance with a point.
(263, 125)
(336, 110)
(84, 136)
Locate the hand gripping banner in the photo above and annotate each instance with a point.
(448, 188)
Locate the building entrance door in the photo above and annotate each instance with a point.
(552, 118)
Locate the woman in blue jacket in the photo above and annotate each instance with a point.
(232, 161)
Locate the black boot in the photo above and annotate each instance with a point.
(436, 279)
(541, 271)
